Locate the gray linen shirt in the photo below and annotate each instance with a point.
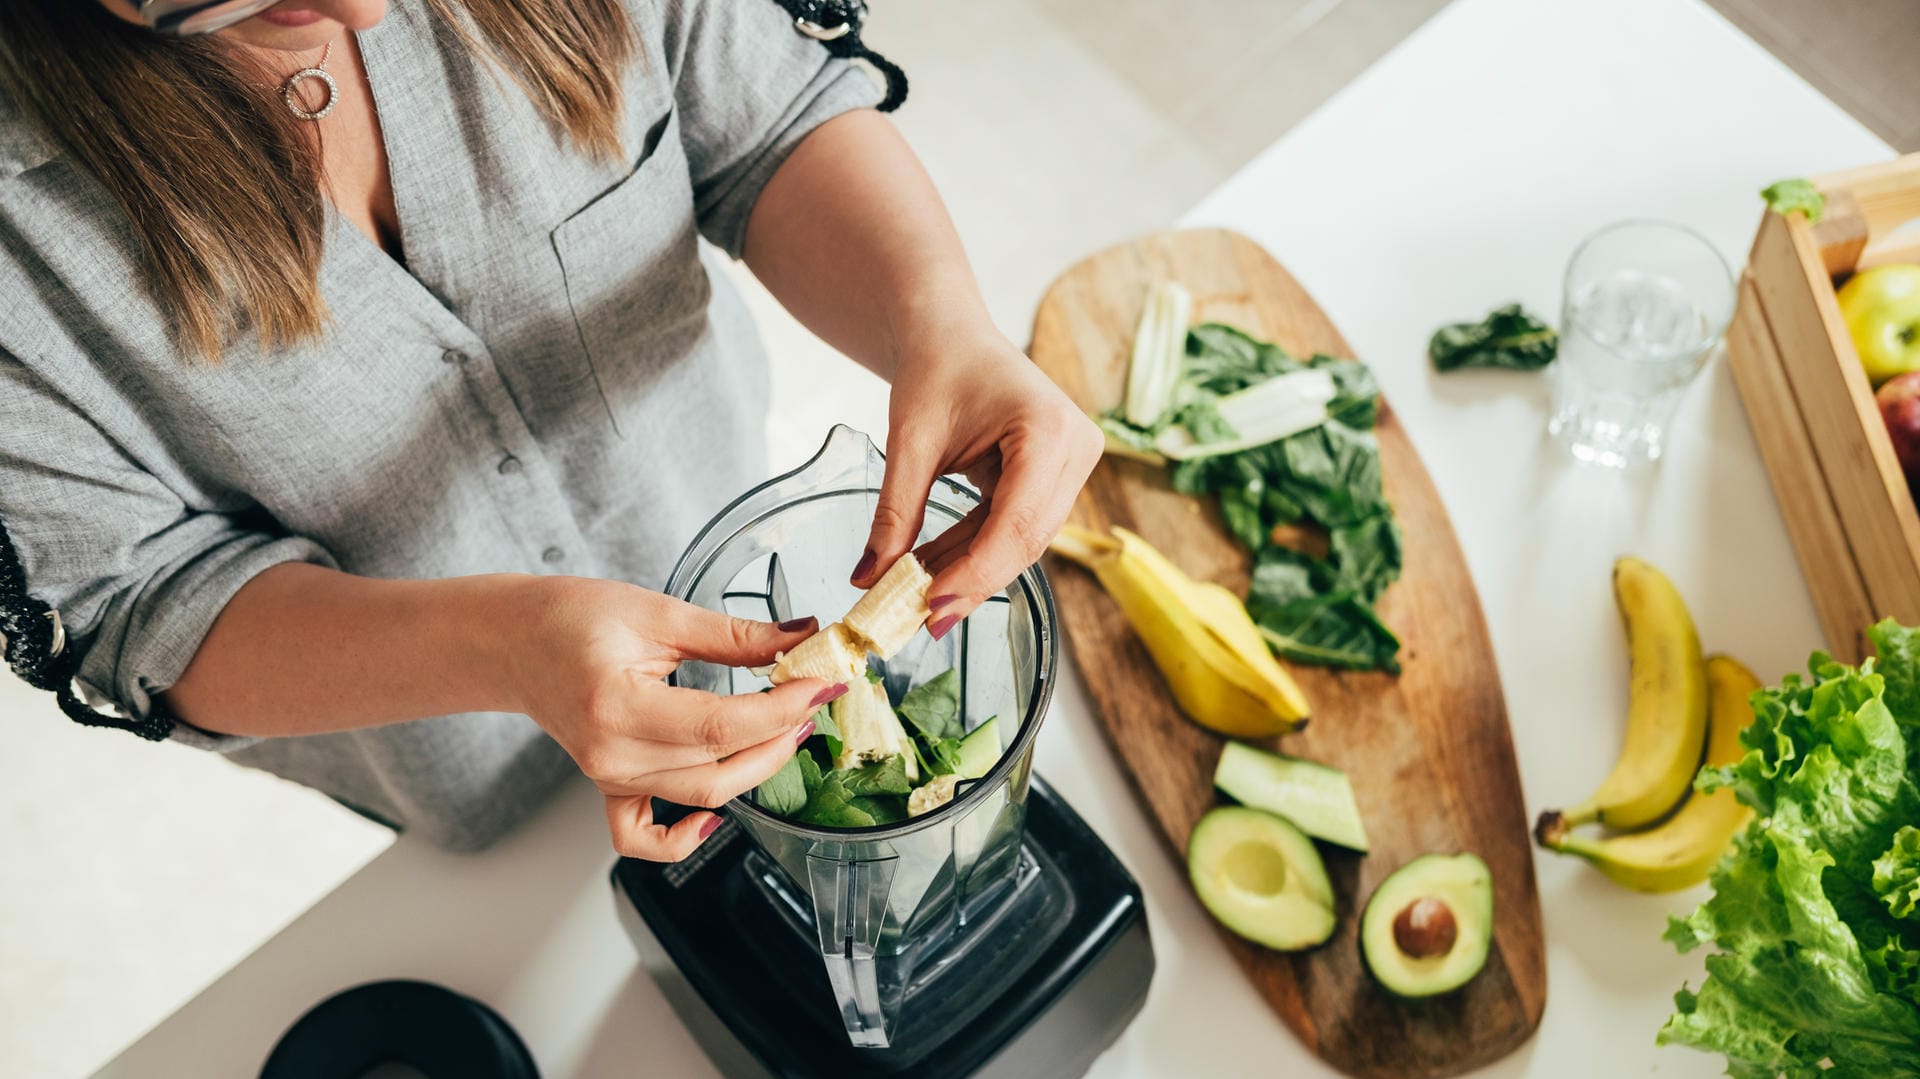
(557, 381)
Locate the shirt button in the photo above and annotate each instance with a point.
(552, 555)
(510, 466)
(453, 355)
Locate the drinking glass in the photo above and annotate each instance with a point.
(1644, 306)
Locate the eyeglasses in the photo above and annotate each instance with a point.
(183, 17)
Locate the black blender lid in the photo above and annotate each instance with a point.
(434, 1030)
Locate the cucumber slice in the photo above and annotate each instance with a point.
(1314, 797)
(979, 751)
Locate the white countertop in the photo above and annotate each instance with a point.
(1456, 174)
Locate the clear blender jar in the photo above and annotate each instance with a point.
(891, 905)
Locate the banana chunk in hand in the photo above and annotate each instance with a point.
(833, 654)
(881, 622)
(894, 609)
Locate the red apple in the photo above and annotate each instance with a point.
(1899, 402)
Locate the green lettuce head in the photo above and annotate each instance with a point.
(1815, 916)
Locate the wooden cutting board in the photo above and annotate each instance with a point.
(1429, 752)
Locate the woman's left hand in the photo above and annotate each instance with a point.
(977, 406)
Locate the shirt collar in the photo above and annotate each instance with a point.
(23, 146)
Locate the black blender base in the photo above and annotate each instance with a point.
(1040, 998)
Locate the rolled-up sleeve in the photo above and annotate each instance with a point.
(748, 87)
(137, 575)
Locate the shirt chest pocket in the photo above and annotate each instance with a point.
(630, 261)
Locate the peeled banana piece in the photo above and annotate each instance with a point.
(1199, 635)
(869, 729)
(833, 654)
(894, 609)
(1667, 709)
(882, 622)
(1681, 851)
(932, 794)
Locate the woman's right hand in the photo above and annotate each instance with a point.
(591, 673)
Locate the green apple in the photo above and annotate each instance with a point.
(1882, 309)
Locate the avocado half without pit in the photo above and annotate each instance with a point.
(1428, 927)
(1261, 877)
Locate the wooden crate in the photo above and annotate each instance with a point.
(1846, 503)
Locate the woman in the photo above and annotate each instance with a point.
(348, 420)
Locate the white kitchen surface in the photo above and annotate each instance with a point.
(1456, 174)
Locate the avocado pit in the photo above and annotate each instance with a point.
(1425, 928)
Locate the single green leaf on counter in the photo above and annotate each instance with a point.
(1795, 196)
(1508, 338)
(888, 776)
(933, 706)
(785, 791)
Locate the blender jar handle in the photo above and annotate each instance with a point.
(850, 910)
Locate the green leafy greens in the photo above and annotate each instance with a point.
(808, 789)
(1509, 338)
(1816, 969)
(933, 706)
(1310, 609)
(1795, 196)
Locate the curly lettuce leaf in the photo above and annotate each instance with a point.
(1811, 974)
(1896, 874)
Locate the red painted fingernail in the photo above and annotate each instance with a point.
(805, 732)
(866, 563)
(940, 629)
(712, 825)
(795, 625)
(832, 692)
(938, 602)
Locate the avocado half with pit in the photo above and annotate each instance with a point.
(1428, 926)
(1261, 877)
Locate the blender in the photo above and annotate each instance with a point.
(993, 936)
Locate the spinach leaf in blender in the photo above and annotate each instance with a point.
(785, 791)
(933, 706)
(881, 777)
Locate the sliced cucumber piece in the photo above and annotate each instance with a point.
(979, 750)
(1313, 796)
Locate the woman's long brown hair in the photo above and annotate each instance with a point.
(221, 184)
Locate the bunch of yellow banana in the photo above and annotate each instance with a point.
(1199, 634)
(1680, 706)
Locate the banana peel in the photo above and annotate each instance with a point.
(1681, 851)
(1198, 633)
